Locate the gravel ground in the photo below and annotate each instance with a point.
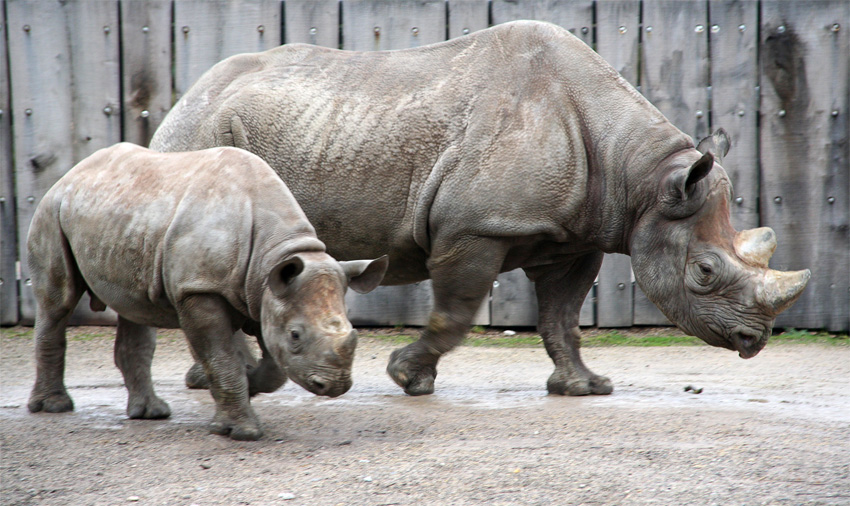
(773, 430)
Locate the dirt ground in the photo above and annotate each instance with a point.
(773, 430)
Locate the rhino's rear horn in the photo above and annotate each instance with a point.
(756, 246)
(781, 289)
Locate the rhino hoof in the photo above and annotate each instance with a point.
(415, 379)
(594, 385)
(149, 408)
(54, 403)
(239, 432)
(196, 377)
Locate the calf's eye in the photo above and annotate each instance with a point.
(295, 335)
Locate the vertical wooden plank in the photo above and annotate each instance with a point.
(514, 300)
(674, 73)
(804, 136)
(467, 16)
(374, 25)
(617, 40)
(312, 22)
(391, 305)
(674, 77)
(63, 62)
(574, 15)
(146, 66)
(733, 36)
(208, 31)
(8, 243)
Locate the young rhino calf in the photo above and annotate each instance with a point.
(209, 241)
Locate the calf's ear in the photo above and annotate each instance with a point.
(284, 273)
(365, 275)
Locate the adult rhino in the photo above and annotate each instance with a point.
(516, 146)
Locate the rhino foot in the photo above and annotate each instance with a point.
(412, 373)
(561, 384)
(197, 378)
(148, 407)
(245, 431)
(57, 402)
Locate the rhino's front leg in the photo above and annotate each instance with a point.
(197, 378)
(134, 348)
(561, 290)
(206, 321)
(461, 278)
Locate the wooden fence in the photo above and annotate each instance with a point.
(76, 76)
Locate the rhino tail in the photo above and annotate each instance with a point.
(231, 131)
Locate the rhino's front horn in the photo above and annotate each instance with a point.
(756, 245)
(781, 289)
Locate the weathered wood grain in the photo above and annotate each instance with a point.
(733, 35)
(8, 242)
(805, 179)
(617, 40)
(375, 25)
(574, 15)
(311, 22)
(467, 16)
(146, 67)
(208, 31)
(64, 66)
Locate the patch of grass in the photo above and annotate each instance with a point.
(615, 338)
(504, 341)
(791, 335)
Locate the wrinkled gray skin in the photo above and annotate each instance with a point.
(211, 242)
(516, 146)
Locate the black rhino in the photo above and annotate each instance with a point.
(210, 242)
(516, 146)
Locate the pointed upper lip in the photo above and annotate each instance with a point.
(747, 342)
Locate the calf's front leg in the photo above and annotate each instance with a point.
(206, 321)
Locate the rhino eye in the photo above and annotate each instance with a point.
(705, 269)
(295, 336)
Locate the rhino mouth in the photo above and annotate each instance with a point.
(747, 342)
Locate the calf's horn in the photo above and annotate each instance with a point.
(781, 289)
(756, 245)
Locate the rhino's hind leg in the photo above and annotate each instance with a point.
(49, 393)
(134, 348)
(561, 290)
(460, 285)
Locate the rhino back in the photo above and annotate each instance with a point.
(148, 229)
(526, 113)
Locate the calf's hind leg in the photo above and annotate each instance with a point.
(49, 393)
(134, 348)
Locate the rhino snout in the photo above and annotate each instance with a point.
(321, 385)
(748, 342)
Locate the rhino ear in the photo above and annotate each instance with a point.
(686, 180)
(365, 275)
(283, 274)
(717, 143)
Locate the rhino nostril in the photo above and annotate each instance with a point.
(317, 385)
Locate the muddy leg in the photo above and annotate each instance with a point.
(208, 327)
(134, 348)
(197, 378)
(49, 393)
(460, 283)
(267, 376)
(561, 290)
